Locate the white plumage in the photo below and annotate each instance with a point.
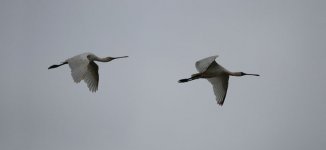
(217, 75)
(84, 68)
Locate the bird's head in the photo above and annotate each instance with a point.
(95, 58)
(105, 59)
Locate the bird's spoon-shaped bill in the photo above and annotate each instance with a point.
(251, 74)
(120, 57)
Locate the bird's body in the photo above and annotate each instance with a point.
(217, 75)
(84, 68)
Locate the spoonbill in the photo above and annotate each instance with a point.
(84, 68)
(216, 75)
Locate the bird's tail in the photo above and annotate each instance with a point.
(55, 66)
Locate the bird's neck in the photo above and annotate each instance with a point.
(105, 59)
(238, 74)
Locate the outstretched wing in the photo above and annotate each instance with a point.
(220, 87)
(79, 66)
(91, 77)
(203, 64)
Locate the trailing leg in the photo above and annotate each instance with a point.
(55, 66)
(193, 77)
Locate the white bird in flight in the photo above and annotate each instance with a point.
(216, 75)
(84, 68)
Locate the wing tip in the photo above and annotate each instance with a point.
(220, 103)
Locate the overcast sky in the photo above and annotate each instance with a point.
(139, 104)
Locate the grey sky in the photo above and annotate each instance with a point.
(140, 105)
